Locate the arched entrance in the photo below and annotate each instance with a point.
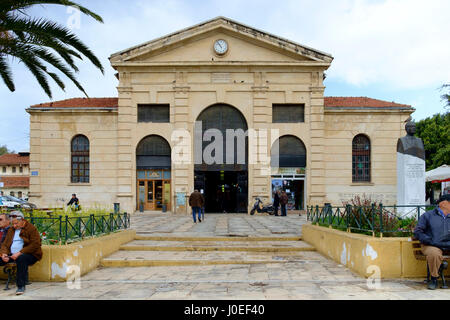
(221, 157)
(153, 165)
(288, 170)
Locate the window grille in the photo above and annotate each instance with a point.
(292, 153)
(153, 113)
(80, 159)
(361, 159)
(288, 113)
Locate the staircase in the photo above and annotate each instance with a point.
(149, 251)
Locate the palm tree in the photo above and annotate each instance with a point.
(38, 42)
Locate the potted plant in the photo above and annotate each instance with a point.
(141, 206)
(164, 206)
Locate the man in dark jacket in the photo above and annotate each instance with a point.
(283, 201)
(433, 232)
(196, 201)
(74, 202)
(276, 202)
(22, 245)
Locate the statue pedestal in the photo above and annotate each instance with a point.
(410, 183)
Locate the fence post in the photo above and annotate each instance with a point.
(330, 216)
(60, 229)
(111, 221)
(418, 213)
(92, 224)
(381, 220)
(67, 222)
(125, 217)
(348, 209)
(373, 220)
(317, 214)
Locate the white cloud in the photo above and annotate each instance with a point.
(397, 44)
(401, 43)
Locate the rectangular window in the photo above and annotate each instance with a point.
(153, 113)
(288, 113)
(14, 169)
(20, 169)
(4, 169)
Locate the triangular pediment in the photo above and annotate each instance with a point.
(195, 44)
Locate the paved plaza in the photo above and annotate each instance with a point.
(226, 257)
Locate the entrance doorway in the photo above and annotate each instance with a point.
(295, 190)
(153, 194)
(224, 191)
(153, 163)
(221, 159)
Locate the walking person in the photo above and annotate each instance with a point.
(276, 202)
(22, 245)
(283, 201)
(196, 201)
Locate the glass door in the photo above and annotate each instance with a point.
(158, 194)
(150, 203)
(166, 196)
(141, 194)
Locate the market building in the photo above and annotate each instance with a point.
(221, 107)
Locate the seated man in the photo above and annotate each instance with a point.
(74, 202)
(433, 232)
(22, 245)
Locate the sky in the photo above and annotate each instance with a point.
(393, 50)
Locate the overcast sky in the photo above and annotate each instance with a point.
(394, 50)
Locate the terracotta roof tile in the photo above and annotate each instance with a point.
(14, 159)
(81, 103)
(15, 182)
(114, 102)
(360, 102)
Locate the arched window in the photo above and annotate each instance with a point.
(80, 159)
(361, 159)
(224, 117)
(153, 152)
(291, 153)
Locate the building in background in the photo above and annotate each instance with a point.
(15, 174)
(224, 75)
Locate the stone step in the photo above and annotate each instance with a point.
(202, 245)
(125, 258)
(228, 238)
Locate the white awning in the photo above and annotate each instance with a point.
(440, 174)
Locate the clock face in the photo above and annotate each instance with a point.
(220, 46)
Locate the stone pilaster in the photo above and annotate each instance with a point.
(125, 149)
(182, 174)
(34, 194)
(316, 165)
(259, 172)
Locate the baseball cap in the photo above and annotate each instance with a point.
(15, 214)
(444, 197)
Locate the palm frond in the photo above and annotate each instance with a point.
(5, 73)
(44, 29)
(10, 5)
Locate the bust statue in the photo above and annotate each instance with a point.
(410, 144)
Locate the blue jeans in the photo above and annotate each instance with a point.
(283, 210)
(197, 210)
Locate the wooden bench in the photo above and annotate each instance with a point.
(11, 270)
(418, 254)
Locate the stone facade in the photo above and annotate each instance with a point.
(183, 71)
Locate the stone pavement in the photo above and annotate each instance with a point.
(285, 270)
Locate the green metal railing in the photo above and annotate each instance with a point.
(65, 229)
(377, 220)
